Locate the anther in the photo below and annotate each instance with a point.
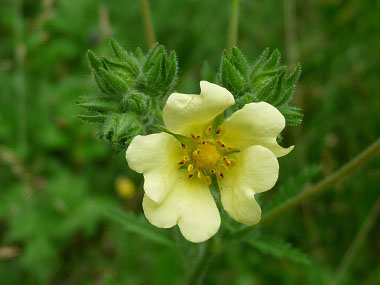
(208, 130)
(198, 138)
(208, 180)
(181, 162)
(196, 152)
(221, 143)
(224, 166)
(225, 159)
(213, 171)
(203, 142)
(193, 136)
(186, 158)
(191, 175)
(219, 131)
(229, 149)
(183, 145)
(190, 168)
(200, 175)
(221, 175)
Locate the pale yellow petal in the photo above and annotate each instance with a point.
(190, 205)
(185, 113)
(255, 171)
(157, 157)
(255, 124)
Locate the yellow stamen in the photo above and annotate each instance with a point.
(229, 149)
(213, 171)
(196, 152)
(183, 145)
(200, 175)
(208, 180)
(186, 158)
(208, 130)
(190, 168)
(221, 175)
(219, 131)
(225, 159)
(221, 143)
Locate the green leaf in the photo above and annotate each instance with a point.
(98, 106)
(292, 114)
(114, 81)
(95, 63)
(92, 118)
(240, 61)
(259, 62)
(120, 53)
(139, 225)
(279, 249)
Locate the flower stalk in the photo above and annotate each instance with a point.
(148, 23)
(234, 22)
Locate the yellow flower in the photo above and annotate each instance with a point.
(241, 153)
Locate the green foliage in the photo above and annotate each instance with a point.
(264, 80)
(292, 187)
(280, 249)
(74, 242)
(133, 87)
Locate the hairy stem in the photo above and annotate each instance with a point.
(357, 242)
(325, 184)
(148, 23)
(234, 21)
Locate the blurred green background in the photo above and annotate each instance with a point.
(56, 176)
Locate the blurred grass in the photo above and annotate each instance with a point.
(58, 174)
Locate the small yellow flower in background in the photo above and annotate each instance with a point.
(125, 187)
(241, 153)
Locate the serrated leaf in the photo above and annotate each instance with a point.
(92, 118)
(235, 78)
(98, 106)
(273, 60)
(240, 61)
(138, 225)
(280, 249)
(279, 89)
(114, 81)
(293, 78)
(292, 114)
(171, 72)
(266, 92)
(95, 63)
(120, 53)
(259, 62)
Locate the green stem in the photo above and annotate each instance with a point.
(357, 242)
(148, 23)
(19, 78)
(325, 184)
(234, 21)
(198, 274)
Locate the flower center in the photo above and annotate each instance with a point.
(206, 155)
